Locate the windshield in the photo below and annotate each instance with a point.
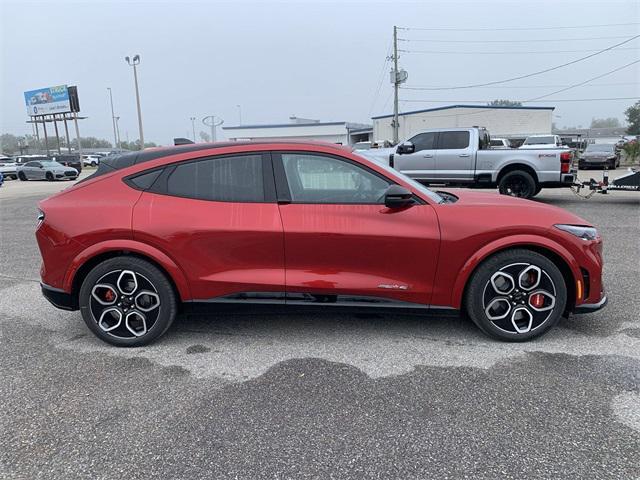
(415, 185)
(51, 163)
(600, 148)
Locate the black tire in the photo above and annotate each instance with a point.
(537, 190)
(49, 176)
(22, 176)
(517, 183)
(93, 164)
(481, 294)
(147, 278)
(14, 177)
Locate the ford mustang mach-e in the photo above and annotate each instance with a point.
(154, 233)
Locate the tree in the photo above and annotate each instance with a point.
(135, 145)
(610, 122)
(205, 137)
(632, 149)
(504, 103)
(633, 118)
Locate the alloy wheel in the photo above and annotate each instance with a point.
(124, 304)
(519, 298)
(517, 186)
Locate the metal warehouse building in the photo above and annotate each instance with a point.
(345, 133)
(500, 121)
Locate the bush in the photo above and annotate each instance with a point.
(632, 149)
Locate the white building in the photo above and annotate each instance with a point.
(345, 133)
(500, 121)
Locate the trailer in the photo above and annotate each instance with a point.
(630, 182)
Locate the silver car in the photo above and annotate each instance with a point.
(46, 170)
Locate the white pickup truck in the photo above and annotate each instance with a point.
(464, 157)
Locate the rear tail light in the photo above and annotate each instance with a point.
(565, 162)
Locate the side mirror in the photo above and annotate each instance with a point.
(40, 166)
(405, 148)
(398, 197)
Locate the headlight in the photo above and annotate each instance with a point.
(585, 233)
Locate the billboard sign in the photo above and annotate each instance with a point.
(46, 101)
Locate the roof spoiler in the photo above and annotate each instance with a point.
(182, 141)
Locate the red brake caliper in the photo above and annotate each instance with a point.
(537, 300)
(109, 295)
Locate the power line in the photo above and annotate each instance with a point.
(496, 82)
(381, 79)
(615, 84)
(515, 52)
(523, 101)
(519, 40)
(561, 27)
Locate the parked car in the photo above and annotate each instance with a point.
(69, 160)
(600, 155)
(541, 141)
(46, 170)
(1, 179)
(500, 143)
(212, 226)
(21, 159)
(462, 157)
(91, 160)
(8, 167)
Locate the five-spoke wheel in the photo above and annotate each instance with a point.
(127, 301)
(516, 295)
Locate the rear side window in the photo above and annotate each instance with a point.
(225, 179)
(146, 180)
(453, 140)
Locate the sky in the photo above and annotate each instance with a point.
(261, 62)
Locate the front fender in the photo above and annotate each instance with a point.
(174, 271)
(502, 244)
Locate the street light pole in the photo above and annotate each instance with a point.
(118, 132)
(133, 63)
(193, 127)
(113, 120)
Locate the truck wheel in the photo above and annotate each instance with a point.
(537, 190)
(517, 183)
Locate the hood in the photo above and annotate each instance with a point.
(505, 210)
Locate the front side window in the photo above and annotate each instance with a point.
(323, 179)
(225, 179)
(424, 141)
(453, 140)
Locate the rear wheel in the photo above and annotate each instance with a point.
(517, 183)
(127, 302)
(516, 295)
(22, 176)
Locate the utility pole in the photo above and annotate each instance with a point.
(113, 120)
(118, 132)
(396, 85)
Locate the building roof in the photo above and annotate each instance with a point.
(349, 125)
(448, 107)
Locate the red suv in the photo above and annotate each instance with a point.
(161, 231)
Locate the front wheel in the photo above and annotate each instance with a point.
(517, 183)
(127, 302)
(49, 177)
(22, 176)
(516, 295)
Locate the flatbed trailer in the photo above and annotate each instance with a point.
(630, 182)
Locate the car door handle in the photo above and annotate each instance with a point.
(427, 155)
(464, 155)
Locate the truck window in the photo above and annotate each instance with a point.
(424, 141)
(453, 140)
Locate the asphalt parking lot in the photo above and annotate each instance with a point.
(320, 396)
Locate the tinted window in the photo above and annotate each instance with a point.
(322, 179)
(424, 141)
(453, 140)
(224, 179)
(32, 164)
(145, 181)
